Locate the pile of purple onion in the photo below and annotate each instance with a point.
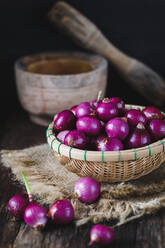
(100, 125)
(106, 125)
(87, 190)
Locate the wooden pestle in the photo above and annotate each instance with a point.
(147, 82)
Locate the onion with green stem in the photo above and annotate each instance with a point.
(35, 215)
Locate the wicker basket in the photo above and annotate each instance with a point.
(109, 166)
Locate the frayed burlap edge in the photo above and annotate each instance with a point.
(118, 203)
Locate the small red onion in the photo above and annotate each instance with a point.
(61, 212)
(110, 144)
(87, 189)
(156, 128)
(152, 112)
(117, 128)
(35, 216)
(61, 135)
(89, 125)
(92, 139)
(73, 109)
(17, 205)
(84, 109)
(118, 102)
(106, 110)
(139, 137)
(64, 120)
(134, 116)
(101, 235)
(76, 139)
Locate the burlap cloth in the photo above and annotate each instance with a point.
(118, 203)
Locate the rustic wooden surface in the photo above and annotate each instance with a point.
(19, 132)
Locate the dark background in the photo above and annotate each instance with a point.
(136, 27)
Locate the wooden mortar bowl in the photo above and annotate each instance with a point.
(48, 83)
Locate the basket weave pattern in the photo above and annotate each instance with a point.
(118, 166)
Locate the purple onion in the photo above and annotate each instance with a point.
(64, 120)
(84, 109)
(87, 189)
(118, 102)
(117, 128)
(152, 112)
(139, 137)
(109, 144)
(73, 109)
(89, 125)
(156, 128)
(61, 135)
(61, 212)
(106, 110)
(76, 139)
(134, 116)
(101, 235)
(35, 216)
(17, 205)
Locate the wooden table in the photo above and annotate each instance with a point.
(19, 132)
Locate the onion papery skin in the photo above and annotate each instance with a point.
(117, 128)
(35, 216)
(89, 125)
(106, 110)
(64, 120)
(152, 112)
(101, 235)
(119, 103)
(17, 205)
(94, 103)
(73, 109)
(76, 139)
(94, 141)
(135, 116)
(61, 212)
(139, 137)
(84, 109)
(87, 189)
(156, 128)
(110, 144)
(61, 135)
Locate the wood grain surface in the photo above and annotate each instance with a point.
(19, 132)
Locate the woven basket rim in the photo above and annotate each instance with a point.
(106, 156)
